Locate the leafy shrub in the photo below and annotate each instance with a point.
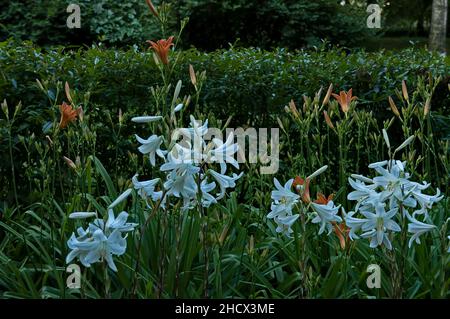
(251, 84)
(272, 23)
(44, 22)
(213, 24)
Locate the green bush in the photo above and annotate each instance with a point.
(250, 84)
(44, 22)
(272, 23)
(213, 24)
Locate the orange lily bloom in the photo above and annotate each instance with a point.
(68, 114)
(341, 230)
(322, 200)
(344, 99)
(162, 47)
(302, 187)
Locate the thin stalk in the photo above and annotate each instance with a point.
(13, 173)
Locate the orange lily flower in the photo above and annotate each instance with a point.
(302, 187)
(162, 47)
(68, 114)
(344, 99)
(341, 230)
(322, 200)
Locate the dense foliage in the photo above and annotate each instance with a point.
(213, 24)
(262, 81)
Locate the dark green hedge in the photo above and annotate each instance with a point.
(250, 84)
(213, 23)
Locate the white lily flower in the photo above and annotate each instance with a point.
(100, 241)
(284, 224)
(180, 180)
(152, 147)
(427, 201)
(378, 224)
(283, 199)
(119, 223)
(417, 228)
(99, 247)
(355, 224)
(361, 190)
(207, 198)
(224, 181)
(325, 215)
(224, 152)
(195, 128)
(147, 188)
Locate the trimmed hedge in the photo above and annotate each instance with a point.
(250, 84)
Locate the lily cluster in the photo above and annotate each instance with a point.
(385, 200)
(285, 200)
(187, 166)
(100, 240)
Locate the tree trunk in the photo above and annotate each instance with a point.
(438, 30)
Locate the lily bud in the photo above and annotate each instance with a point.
(70, 163)
(293, 108)
(67, 90)
(405, 143)
(394, 107)
(50, 142)
(251, 245)
(328, 120)
(328, 95)
(120, 199)
(386, 138)
(192, 75)
(287, 109)
(5, 108)
(81, 113)
(427, 107)
(152, 8)
(82, 215)
(405, 91)
(40, 85)
(120, 116)
(318, 172)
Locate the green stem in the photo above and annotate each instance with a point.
(13, 173)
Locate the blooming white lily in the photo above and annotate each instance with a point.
(147, 188)
(284, 224)
(326, 215)
(283, 199)
(224, 181)
(224, 152)
(377, 225)
(417, 228)
(392, 188)
(151, 146)
(100, 241)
